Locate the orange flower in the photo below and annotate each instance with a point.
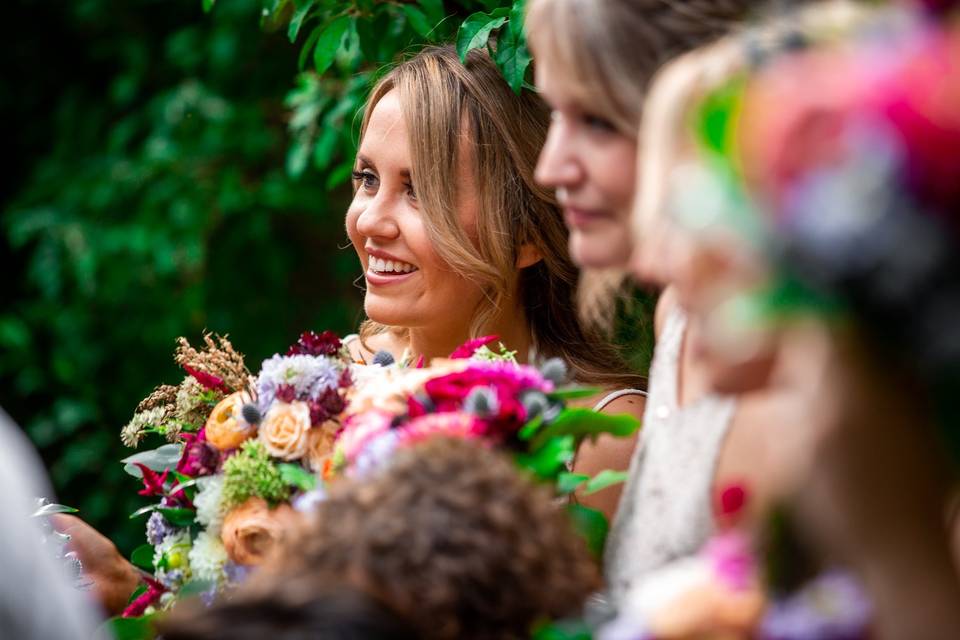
(320, 447)
(226, 428)
(252, 531)
(285, 431)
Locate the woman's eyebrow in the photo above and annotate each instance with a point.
(364, 160)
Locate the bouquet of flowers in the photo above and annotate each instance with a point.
(241, 450)
(486, 396)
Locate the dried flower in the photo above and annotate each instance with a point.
(164, 396)
(133, 432)
(218, 358)
(192, 407)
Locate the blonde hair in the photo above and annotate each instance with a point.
(450, 108)
(612, 48)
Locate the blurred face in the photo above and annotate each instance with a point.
(592, 166)
(408, 284)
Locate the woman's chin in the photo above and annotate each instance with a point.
(599, 249)
(392, 313)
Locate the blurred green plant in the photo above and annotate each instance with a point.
(151, 202)
(347, 44)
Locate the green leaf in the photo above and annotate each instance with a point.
(179, 517)
(418, 20)
(139, 591)
(158, 459)
(580, 423)
(128, 628)
(142, 557)
(563, 630)
(475, 32)
(513, 58)
(208, 5)
(144, 510)
(569, 482)
(297, 476)
(329, 42)
(549, 459)
(297, 157)
(517, 14)
(308, 47)
(604, 479)
(50, 509)
(299, 15)
(573, 393)
(591, 524)
(195, 588)
(339, 175)
(325, 149)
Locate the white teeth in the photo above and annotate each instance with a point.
(390, 266)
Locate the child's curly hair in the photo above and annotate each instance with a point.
(452, 536)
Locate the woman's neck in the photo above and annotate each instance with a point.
(512, 330)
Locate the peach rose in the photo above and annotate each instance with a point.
(285, 430)
(253, 530)
(320, 447)
(226, 428)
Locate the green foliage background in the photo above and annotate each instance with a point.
(179, 165)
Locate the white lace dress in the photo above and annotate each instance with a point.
(665, 510)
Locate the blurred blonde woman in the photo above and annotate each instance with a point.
(722, 412)
(594, 62)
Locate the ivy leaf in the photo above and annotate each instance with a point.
(418, 20)
(299, 15)
(329, 42)
(475, 31)
(581, 423)
(569, 482)
(142, 557)
(208, 5)
(513, 58)
(297, 476)
(517, 12)
(591, 524)
(604, 479)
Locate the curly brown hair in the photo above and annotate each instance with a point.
(454, 537)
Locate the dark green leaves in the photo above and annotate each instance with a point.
(475, 31)
(299, 15)
(329, 41)
(142, 557)
(581, 423)
(513, 58)
(128, 628)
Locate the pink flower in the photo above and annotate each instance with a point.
(454, 424)
(468, 348)
(359, 429)
(145, 599)
(732, 559)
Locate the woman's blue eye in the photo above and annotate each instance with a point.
(366, 178)
(411, 191)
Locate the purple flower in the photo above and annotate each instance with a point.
(832, 607)
(158, 528)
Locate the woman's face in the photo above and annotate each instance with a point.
(408, 284)
(592, 166)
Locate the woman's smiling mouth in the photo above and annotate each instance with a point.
(381, 270)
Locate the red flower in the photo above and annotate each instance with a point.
(286, 393)
(199, 458)
(329, 404)
(152, 482)
(145, 599)
(468, 348)
(207, 380)
(312, 344)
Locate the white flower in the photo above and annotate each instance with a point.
(207, 557)
(173, 556)
(308, 375)
(209, 503)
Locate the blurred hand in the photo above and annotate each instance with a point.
(114, 578)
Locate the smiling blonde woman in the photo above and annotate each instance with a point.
(457, 240)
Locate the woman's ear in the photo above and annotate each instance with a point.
(528, 255)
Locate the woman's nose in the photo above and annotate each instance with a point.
(557, 165)
(376, 220)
